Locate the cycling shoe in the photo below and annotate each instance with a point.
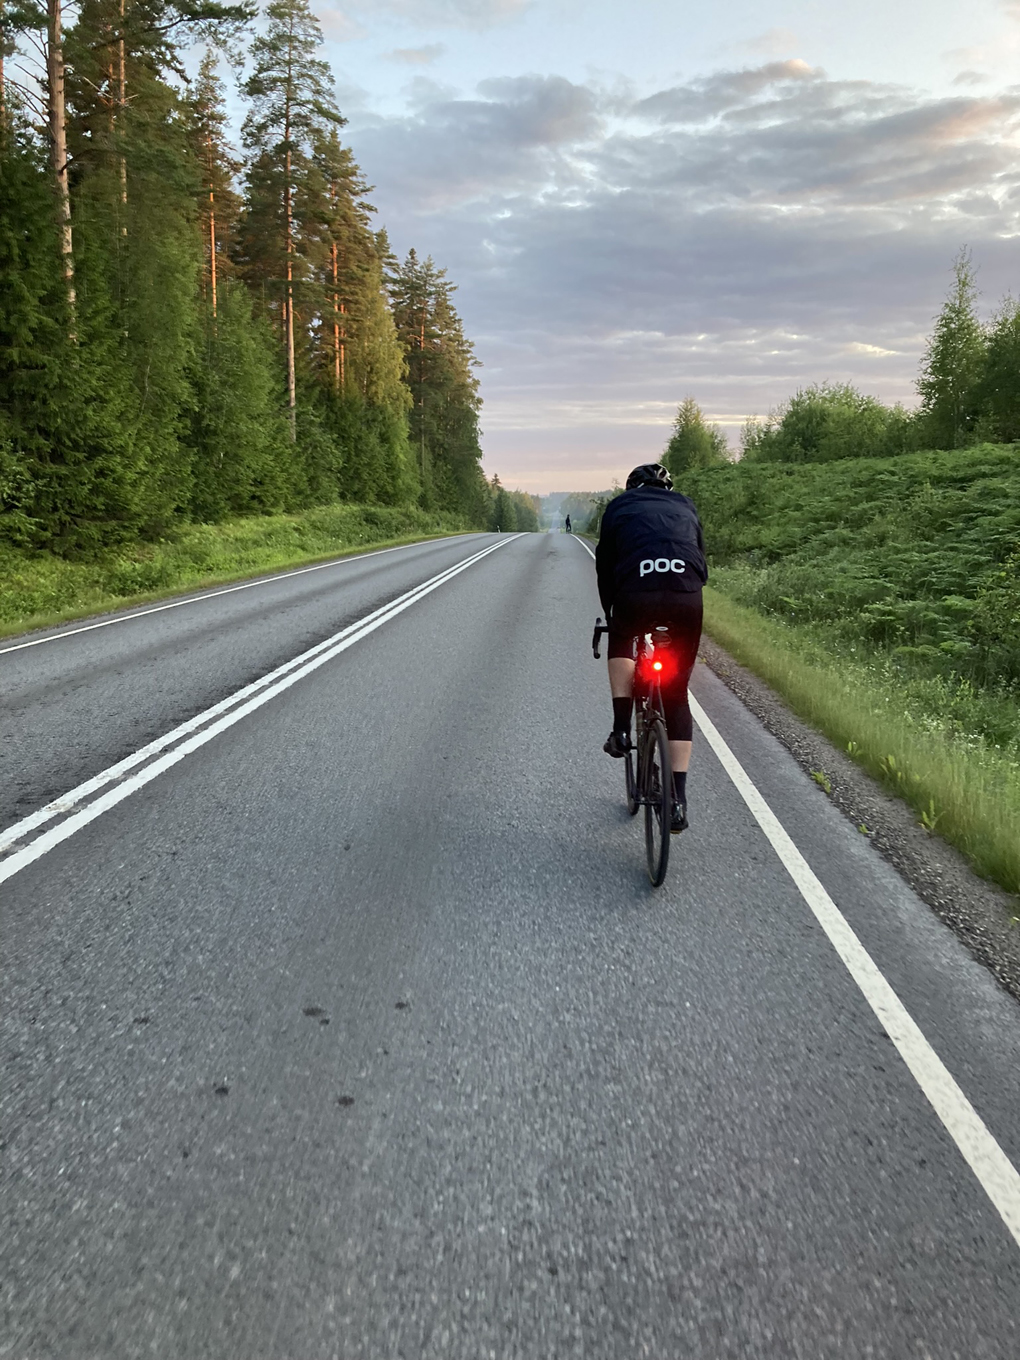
(617, 745)
(678, 819)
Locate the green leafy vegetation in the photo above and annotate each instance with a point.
(41, 588)
(825, 422)
(882, 598)
(693, 443)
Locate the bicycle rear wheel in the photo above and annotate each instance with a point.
(632, 797)
(656, 792)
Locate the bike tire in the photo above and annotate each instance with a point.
(657, 795)
(632, 795)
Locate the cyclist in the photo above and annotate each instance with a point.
(650, 563)
(567, 526)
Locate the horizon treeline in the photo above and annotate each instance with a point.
(968, 389)
(192, 331)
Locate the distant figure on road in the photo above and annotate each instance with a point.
(650, 563)
(567, 526)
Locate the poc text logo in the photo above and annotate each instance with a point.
(676, 564)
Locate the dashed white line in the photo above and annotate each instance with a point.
(996, 1174)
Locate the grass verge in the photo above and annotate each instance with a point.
(962, 786)
(38, 590)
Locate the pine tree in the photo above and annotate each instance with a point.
(220, 202)
(292, 107)
(345, 255)
(953, 363)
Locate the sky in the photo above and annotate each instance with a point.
(644, 202)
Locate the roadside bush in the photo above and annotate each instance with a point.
(826, 422)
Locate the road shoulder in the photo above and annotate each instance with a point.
(983, 916)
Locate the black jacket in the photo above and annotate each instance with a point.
(650, 542)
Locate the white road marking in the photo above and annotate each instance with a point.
(212, 594)
(984, 1156)
(239, 704)
(996, 1173)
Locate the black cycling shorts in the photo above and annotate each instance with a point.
(635, 615)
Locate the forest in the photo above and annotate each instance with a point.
(193, 331)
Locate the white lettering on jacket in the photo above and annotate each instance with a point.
(660, 564)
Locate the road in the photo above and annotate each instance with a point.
(345, 1022)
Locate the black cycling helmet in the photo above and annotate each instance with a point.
(650, 474)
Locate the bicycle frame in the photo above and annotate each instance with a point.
(649, 672)
(651, 785)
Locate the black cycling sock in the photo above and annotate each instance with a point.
(621, 714)
(680, 785)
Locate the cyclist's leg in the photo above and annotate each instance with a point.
(685, 628)
(622, 638)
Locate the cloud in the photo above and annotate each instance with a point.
(776, 42)
(733, 236)
(450, 151)
(337, 25)
(970, 78)
(469, 14)
(417, 56)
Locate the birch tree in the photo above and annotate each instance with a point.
(953, 362)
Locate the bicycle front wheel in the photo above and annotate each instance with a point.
(656, 794)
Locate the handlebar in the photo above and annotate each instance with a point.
(600, 628)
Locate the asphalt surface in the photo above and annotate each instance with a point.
(359, 1031)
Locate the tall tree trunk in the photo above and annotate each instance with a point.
(291, 377)
(339, 327)
(121, 104)
(3, 105)
(421, 392)
(212, 229)
(58, 143)
(212, 251)
(289, 216)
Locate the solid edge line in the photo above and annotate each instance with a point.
(982, 1153)
(20, 859)
(996, 1174)
(228, 590)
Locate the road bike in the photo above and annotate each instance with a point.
(647, 768)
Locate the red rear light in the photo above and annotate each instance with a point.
(661, 666)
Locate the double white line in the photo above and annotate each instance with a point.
(189, 736)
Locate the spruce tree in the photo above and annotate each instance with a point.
(69, 468)
(443, 387)
(239, 431)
